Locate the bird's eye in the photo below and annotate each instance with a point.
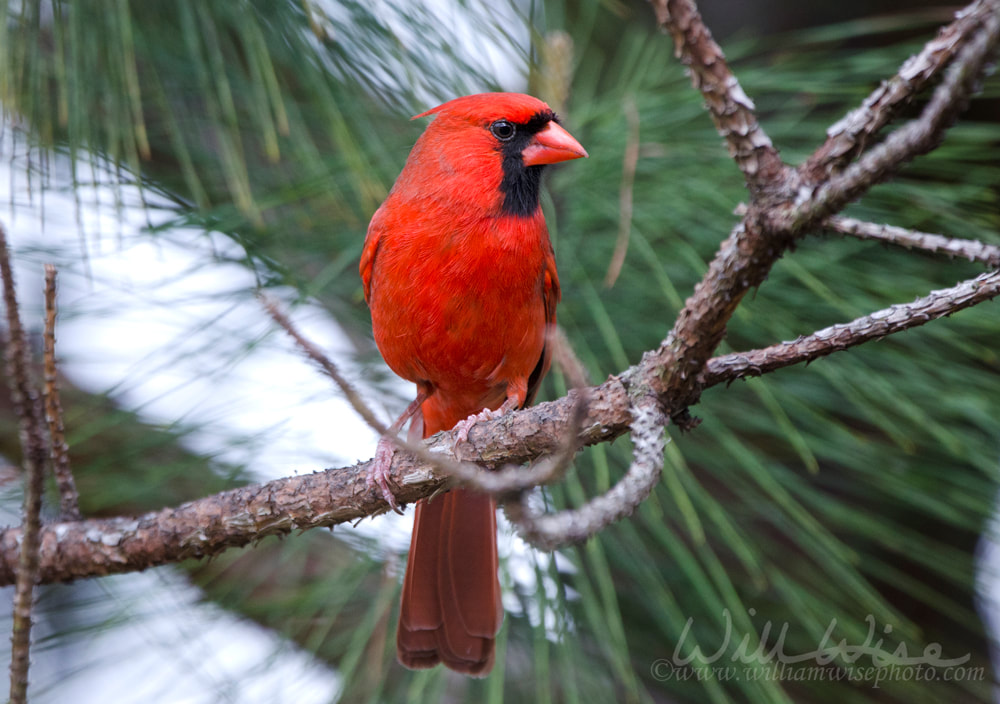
(503, 130)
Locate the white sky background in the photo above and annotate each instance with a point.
(179, 336)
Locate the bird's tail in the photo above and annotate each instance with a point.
(451, 609)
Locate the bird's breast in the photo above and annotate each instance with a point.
(463, 310)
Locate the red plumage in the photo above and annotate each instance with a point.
(460, 276)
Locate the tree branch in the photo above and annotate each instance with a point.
(973, 250)
(731, 109)
(550, 531)
(69, 503)
(917, 137)
(745, 258)
(324, 362)
(242, 516)
(875, 326)
(848, 137)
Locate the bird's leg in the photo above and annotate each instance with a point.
(379, 473)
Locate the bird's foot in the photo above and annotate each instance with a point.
(464, 426)
(379, 473)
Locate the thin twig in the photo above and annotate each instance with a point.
(512, 478)
(553, 467)
(29, 414)
(550, 531)
(896, 318)
(325, 363)
(629, 162)
(465, 472)
(973, 250)
(69, 502)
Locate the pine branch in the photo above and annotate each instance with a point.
(783, 206)
(745, 258)
(973, 250)
(69, 502)
(731, 109)
(849, 136)
(550, 531)
(912, 139)
(836, 338)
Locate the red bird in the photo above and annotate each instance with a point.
(460, 276)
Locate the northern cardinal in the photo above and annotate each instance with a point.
(460, 276)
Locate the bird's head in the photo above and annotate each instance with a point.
(501, 139)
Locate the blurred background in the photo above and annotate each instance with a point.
(173, 157)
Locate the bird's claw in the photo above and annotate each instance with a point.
(379, 474)
(464, 426)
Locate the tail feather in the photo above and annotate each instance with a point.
(451, 609)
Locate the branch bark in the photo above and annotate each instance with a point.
(550, 531)
(973, 250)
(69, 501)
(97, 547)
(836, 338)
(850, 135)
(912, 139)
(731, 109)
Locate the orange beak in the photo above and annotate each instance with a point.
(550, 146)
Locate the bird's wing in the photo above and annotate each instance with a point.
(372, 241)
(550, 297)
